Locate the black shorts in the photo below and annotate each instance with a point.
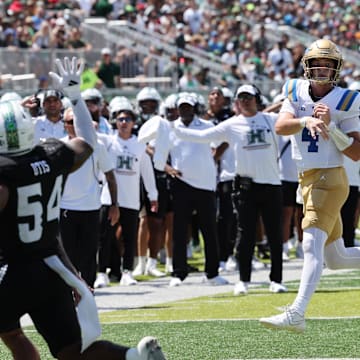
(35, 289)
(288, 189)
(164, 196)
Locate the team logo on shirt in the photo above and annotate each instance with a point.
(256, 139)
(125, 163)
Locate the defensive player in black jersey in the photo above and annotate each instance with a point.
(60, 304)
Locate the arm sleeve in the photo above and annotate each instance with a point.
(83, 122)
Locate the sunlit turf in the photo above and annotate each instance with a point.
(224, 327)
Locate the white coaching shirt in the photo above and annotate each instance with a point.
(253, 140)
(194, 160)
(130, 160)
(45, 129)
(82, 189)
(344, 107)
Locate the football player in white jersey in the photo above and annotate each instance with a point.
(323, 121)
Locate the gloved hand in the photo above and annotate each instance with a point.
(70, 77)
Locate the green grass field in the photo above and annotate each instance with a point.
(224, 327)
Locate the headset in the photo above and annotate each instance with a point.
(258, 96)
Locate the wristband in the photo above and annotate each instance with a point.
(303, 122)
(341, 140)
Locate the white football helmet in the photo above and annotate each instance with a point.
(322, 49)
(92, 94)
(168, 108)
(16, 128)
(229, 94)
(120, 103)
(10, 95)
(143, 100)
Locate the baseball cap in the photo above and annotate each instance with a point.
(60, 22)
(105, 51)
(246, 89)
(53, 93)
(186, 99)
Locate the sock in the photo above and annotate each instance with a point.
(313, 245)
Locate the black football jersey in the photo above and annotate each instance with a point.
(29, 223)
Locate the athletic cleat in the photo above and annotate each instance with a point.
(127, 279)
(215, 281)
(256, 264)
(231, 264)
(222, 266)
(151, 269)
(102, 280)
(175, 281)
(288, 320)
(277, 287)
(147, 349)
(241, 288)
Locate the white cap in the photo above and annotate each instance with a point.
(60, 22)
(105, 51)
(186, 99)
(246, 89)
(229, 46)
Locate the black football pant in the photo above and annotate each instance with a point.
(186, 199)
(250, 202)
(79, 231)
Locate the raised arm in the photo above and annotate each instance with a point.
(68, 81)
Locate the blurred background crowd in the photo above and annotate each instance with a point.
(190, 45)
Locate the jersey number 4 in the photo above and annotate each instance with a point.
(313, 146)
(32, 211)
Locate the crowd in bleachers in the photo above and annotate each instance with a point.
(223, 28)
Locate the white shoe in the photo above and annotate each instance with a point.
(102, 280)
(140, 267)
(222, 265)
(241, 288)
(217, 280)
(356, 241)
(147, 349)
(277, 287)
(257, 264)
(127, 279)
(288, 320)
(175, 281)
(231, 264)
(151, 269)
(285, 256)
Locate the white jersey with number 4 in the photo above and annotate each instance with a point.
(344, 104)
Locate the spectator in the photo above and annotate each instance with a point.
(108, 71)
(42, 37)
(75, 40)
(279, 57)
